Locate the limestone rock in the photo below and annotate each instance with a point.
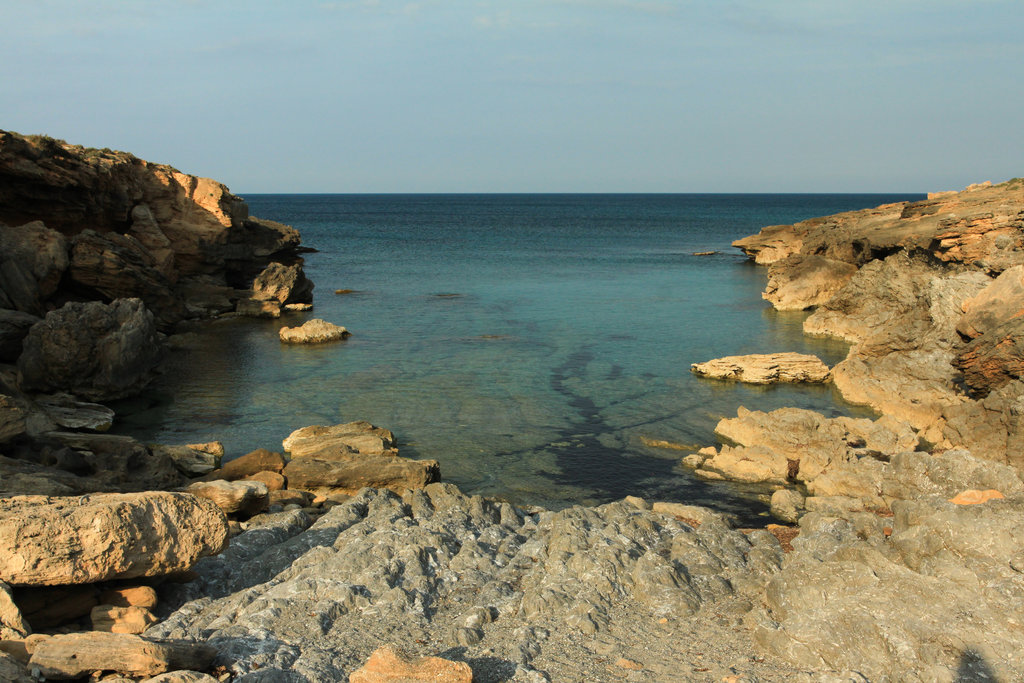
(50, 541)
(765, 368)
(351, 437)
(12, 419)
(799, 281)
(350, 474)
(786, 505)
(182, 677)
(68, 412)
(94, 350)
(189, 460)
(283, 284)
(130, 596)
(14, 327)
(33, 259)
(994, 359)
(260, 460)
(255, 308)
(118, 266)
(772, 244)
(389, 665)
(13, 671)
(12, 623)
(244, 498)
(111, 619)
(1000, 301)
(110, 462)
(76, 654)
(976, 497)
(274, 481)
(314, 331)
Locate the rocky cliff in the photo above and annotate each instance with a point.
(79, 223)
(930, 295)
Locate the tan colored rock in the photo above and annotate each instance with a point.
(314, 331)
(233, 497)
(994, 359)
(272, 480)
(750, 464)
(976, 497)
(766, 368)
(112, 619)
(352, 437)
(51, 541)
(283, 284)
(12, 623)
(130, 596)
(801, 281)
(1000, 301)
(77, 654)
(255, 308)
(693, 513)
(182, 677)
(772, 244)
(389, 665)
(260, 460)
(291, 497)
(348, 475)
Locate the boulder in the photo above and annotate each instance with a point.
(94, 350)
(189, 460)
(260, 460)
(50, 541)
(130, 596)
(33, 259)
(131, 619)
(14, 327)
(12, 419)
(389, 665)
(244, 498)
(13, 671)
(765, 368)
(314, 331)
(1000, 301)
(12, 623)
(283, 284)
(76, 654)
(350, 474)
(68, 412)
(119, 266)
(351, 437)
(255, 308)
(801, 281)
(273, 480)
(994, 359)
(109, 462)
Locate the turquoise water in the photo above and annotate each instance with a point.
(527, 342)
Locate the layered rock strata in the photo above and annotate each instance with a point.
(765, 368)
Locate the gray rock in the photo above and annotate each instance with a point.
(786, 505)
(32, 260)
(94, 350)
(14, 327)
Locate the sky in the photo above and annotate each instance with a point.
(530, 95)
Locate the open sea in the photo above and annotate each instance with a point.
(530, 343)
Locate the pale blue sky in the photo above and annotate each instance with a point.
(531, 95)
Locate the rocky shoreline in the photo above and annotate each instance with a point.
(897, 557)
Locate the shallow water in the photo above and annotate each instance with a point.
(527, 342)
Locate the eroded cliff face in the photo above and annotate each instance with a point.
(931, 308)
(130, 228)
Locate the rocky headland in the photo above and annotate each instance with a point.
(897, 557)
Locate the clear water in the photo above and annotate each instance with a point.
(527, 342)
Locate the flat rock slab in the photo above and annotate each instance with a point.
(73, 655)
(766, 368)
(388, 665)
(351, 437)
(234, 497)
(48, 541)
(350, 475)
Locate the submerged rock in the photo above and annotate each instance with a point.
(765, 368)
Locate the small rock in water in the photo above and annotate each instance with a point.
(314, 331)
